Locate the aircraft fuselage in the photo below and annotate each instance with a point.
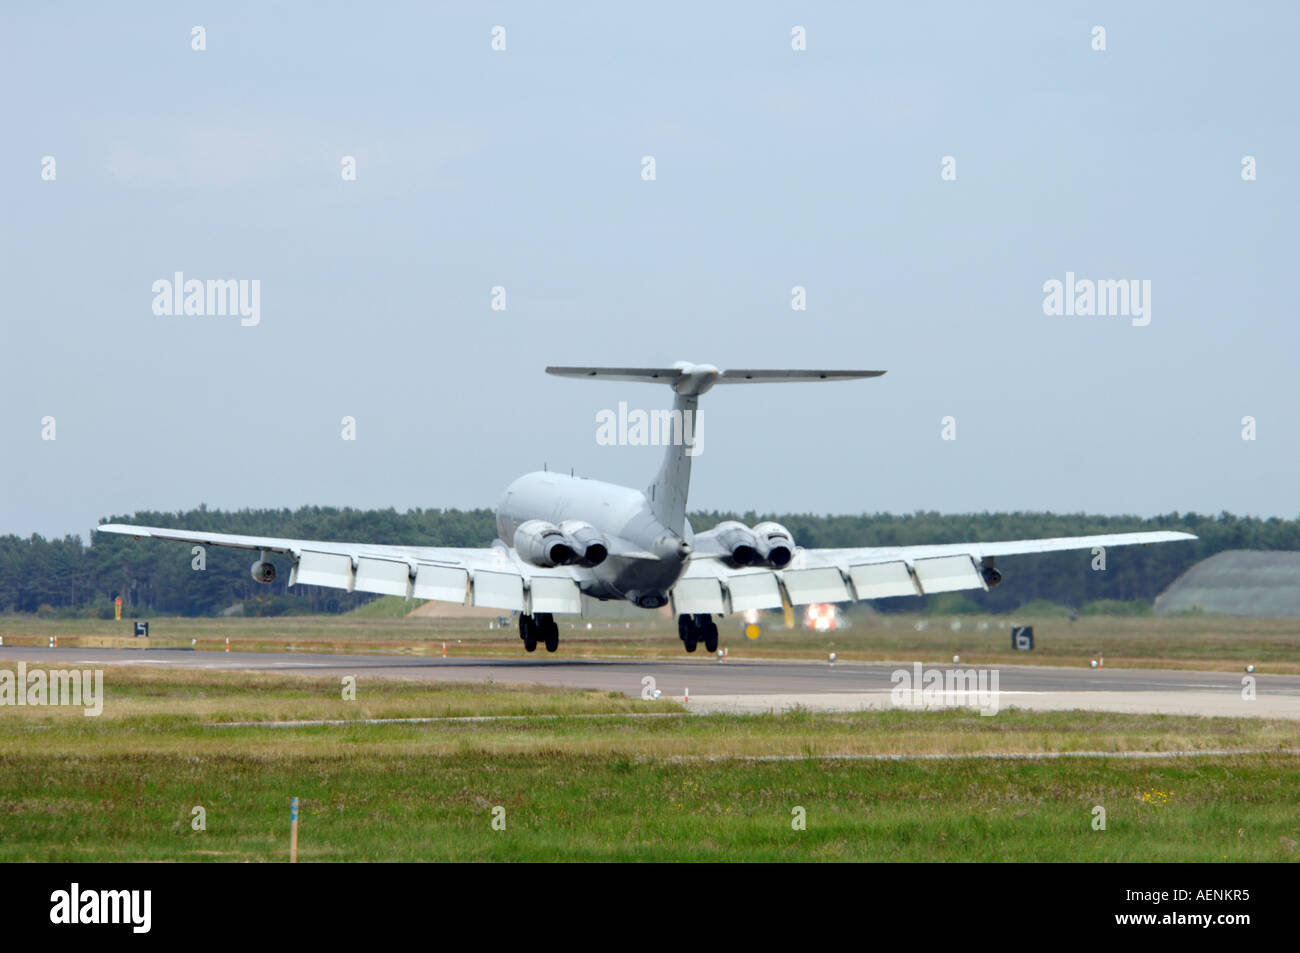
(645, 557)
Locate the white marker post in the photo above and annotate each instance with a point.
(293, 830)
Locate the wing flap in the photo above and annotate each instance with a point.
(333, 570)
(815, 585)
(700, 595)
(882, 580)
(498, 590)
(441, 583)
(384, 576)
(947, 574)
(754, 590)
(553, 594)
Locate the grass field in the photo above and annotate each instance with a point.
(590, 775)
(1201, 642)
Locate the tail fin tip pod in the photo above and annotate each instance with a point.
(667, 494)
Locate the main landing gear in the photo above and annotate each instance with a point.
(539, 628)
(694, 629)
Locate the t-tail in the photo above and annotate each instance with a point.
(667, 494)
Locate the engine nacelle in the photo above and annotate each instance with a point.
(588, 543)
(738, 540)
(263, 571)
(775, 544)
(543, 544)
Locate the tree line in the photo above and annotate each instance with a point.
(68, 577)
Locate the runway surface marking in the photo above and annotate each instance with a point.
(750, 685)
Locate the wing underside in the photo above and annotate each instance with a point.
(711, 585)
(494, 577)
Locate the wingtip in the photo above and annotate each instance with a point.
(123, 528)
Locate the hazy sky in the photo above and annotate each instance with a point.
(523, 168)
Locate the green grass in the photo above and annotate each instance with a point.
(582, 777)
(385, 607)
(364, 806)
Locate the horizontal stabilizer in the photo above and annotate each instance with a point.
(697, 378)
(658, 375)
(771, 377)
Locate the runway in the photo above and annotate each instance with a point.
(753, 685)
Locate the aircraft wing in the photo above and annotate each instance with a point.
(493, 576)
(711, 584)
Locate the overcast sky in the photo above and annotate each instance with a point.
(523, 168)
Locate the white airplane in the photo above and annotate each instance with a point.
(564, 537)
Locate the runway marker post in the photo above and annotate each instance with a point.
(293, 830)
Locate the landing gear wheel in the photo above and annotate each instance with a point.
(688, 632)
(709, 629)
(550, 631)
(528, 632)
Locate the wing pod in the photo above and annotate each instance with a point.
(263, 571)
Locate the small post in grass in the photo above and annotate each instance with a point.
(293, 830)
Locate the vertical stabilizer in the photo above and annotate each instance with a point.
(683, 430)
(667, 494)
